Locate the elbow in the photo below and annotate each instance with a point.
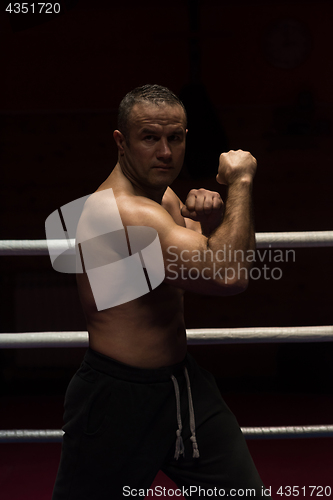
(231, 282)
(225, 290)
(238, 287)
(234, 287)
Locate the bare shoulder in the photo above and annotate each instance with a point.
(141, 211)
(100, 215)
(107, 210)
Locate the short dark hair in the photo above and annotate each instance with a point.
(150, 94)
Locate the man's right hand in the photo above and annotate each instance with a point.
(236, 165)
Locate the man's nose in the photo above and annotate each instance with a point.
(164, 150)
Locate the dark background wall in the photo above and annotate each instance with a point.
(255, 75)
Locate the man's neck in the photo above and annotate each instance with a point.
(138, 189)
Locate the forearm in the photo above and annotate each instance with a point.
(236, 232)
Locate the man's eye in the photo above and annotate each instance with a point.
(150, 138)
(174, 138)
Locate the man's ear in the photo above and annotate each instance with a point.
(120, 141)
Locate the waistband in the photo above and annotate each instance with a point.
(117, 369)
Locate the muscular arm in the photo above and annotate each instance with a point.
(194, 261)
(236, 233)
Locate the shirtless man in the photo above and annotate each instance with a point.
(139, 402)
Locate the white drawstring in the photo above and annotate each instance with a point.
(192, 419)
(179, 441)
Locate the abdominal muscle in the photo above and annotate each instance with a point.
(147, 332)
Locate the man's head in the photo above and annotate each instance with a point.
(151, 138)
(147, 94)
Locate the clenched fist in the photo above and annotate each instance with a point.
(236, 165)
(205, 207)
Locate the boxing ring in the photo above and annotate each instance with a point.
(194, 336)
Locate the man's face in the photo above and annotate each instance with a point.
(155, 147)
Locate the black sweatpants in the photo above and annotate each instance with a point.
(120, 430)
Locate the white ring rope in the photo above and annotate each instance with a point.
(264, 240)
(31, 436)
(194, 337)
(43, 339)
(289, 432)
(260, 335)
(34, 247)
(305, 239)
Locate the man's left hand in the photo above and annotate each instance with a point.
(205, 207)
